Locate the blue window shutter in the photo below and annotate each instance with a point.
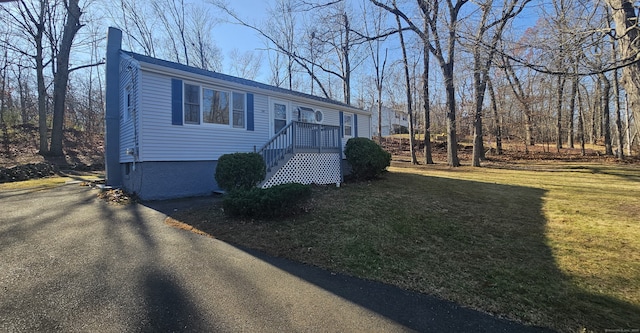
(176, 102)
(342, 124)
(249, 112)
(355, 125)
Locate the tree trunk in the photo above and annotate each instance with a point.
(572, 111)
(346, 82)
(560, 92)
(452, 140)
(606, 118)
(61, 79)
(3, 89)
(414, 160)
(379, 116)
(480, 87)
(581, 123)
(619, 130)
(428, 158)
(628, 37)
(497, 122)
(42, 90)
(627, 125)
(597, 104)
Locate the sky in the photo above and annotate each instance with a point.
(229, 36)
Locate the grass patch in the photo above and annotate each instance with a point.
(555, 245)
(44, 183)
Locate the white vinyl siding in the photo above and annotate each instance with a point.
(128, 102)
(364, 126)
(159, 140)
(163, 141)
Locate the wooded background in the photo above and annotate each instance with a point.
(560, 72)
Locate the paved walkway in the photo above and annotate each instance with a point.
(72, 263)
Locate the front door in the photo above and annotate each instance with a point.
(279, 112)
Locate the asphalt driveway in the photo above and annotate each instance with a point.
(70, 262)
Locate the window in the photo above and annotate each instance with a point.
(191, 104)
(215, 106)
(306, 115)
(128, 111)
(279, 116)
(204, 105)
(238, 110)
(347, 124)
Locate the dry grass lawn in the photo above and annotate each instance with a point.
(549, 244)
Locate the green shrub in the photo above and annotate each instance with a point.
(367, 159)
(276, 201)
(240, 171)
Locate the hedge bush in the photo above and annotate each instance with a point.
(367, 159)
(276, 201)
(240, 171)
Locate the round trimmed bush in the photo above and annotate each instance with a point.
(367, 159)
(240, 171)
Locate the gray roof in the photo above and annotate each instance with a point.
(234, 79)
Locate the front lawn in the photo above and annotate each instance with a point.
(555, 245)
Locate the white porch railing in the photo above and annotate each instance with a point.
(299, 137)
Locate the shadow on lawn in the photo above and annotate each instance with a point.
(481, 244)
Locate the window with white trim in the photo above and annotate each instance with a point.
(207, 105)
(215, 106)
(239, 107)
(191, 104)
(347, 124)
(308, 115)
(305, 115)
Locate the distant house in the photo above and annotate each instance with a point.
(393, 121)
(167, 124)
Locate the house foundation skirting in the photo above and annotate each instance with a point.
(168, 180)
(309, 168)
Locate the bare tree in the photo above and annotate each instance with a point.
(496, 116)
(274, 42)
(135, 20)
(379, 65)
(30, 18)
(444, 54)
(428, 158)
(245, 65)
(200, 45)
(4, 70)
(408, 91)
(483, 53)
(572, 107)
(627, 34)
(337, 34)
(523, 98)
(61, 78)
(172, 15)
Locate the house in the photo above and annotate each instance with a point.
(167, 124)
(393, 121)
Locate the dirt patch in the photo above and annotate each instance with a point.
(20, 159)
(399, 148)
(27, 171)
